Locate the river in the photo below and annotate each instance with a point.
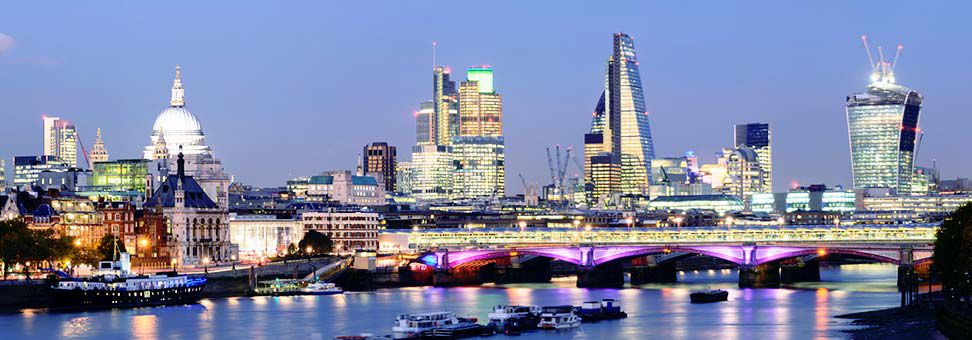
(656, 311)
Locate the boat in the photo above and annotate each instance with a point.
(558, 317)
(364, 336)
(709, 295)
(114, 286)
(606, 309)
(504, 318)
(415, 326)
(465, 328)
(321, 288)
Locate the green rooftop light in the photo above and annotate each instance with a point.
(483, 75)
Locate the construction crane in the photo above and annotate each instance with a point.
(553, 174)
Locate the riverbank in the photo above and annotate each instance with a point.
(916, 322)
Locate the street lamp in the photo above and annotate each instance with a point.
(678, 223)
(630, 222)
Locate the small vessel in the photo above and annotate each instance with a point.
(709, 295)
(415, 326)
(505, 318)
(465, 328)
(364, 336)
(114, 286)
(321, 288)
(558, 317)
(606, 309)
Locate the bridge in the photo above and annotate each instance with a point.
(765, 255)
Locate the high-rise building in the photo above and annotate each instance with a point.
(425, 124)
(98, 152)
(883, 127)
(3, 177)
(445, 108)
(744, 175)
(380, 161)
(403, 177)
(757, 136)
(61, 140)
(621, 118)
(479, 150)
(432, 172)
(479, 165)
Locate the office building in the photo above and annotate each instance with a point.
(403, 178)
(757, 137)
(883, 126)
(261, 236)
(445, 106)
(28, 168)
(123, 176)
(921, 205)
(350, 230)
(677, 176)
(480, 107)
(817, 197)
(721, 204)
(380, 162)
(61, 140)
(621, 119)
(744, 174)
(479, 163)
(425, 124)
(345, 187)
(432, 172)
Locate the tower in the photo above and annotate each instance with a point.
(882, 124)
(620, 130)
(479, 149)
(756, 136)
(98, 152)
(61, 140)
(380, 160)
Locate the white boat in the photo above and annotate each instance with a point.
(558, 317)
(415, 325)
(321, 288)
(503, 316)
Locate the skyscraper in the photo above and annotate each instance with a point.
(380, 161)
(479, 149)
(757, 137)
(445, 108)
(61, 140)
(425, 124)
(98, 152)
(621, 119)
(883, 126)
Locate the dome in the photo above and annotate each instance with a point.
(176, 121)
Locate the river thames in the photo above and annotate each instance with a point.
(658, 311)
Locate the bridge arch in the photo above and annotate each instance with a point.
(731, 254)
(820, 252)
(460, 257)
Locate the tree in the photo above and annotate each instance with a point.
(316, 242)
(952, 260)
(106, 247)
(16, 244)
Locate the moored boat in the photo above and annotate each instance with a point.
(114, 286)
(504, 318)
(558, 317)
(415, 326)
(321, 288)
(709, 295)
(606, 309)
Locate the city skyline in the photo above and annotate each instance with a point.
(217, 93)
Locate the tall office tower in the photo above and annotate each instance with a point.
(380, 161)
(425, 124)
(757, 136)
(403, 177)
(744, 174)
(432, 172)
(61, 140)
(479, 149)
(883, 127)
(444, 106)
(3, 176)
(98, 152)
(623, 120)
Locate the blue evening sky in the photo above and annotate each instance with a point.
(291, 88)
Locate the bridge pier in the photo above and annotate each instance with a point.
(463, 276)
(645, 270)
(608, 275)
(765, 275)
(799, 270)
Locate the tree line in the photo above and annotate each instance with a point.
(45, 249)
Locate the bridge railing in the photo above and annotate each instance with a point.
(620, 236)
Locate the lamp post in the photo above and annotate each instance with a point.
(678, 223)
(729, 225)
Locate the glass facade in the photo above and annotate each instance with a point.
(757, 136)
(432, 170)
(425, 124)
(120, 175)
(883, 126)
(622, 118)
(61, 140)
(479, 167)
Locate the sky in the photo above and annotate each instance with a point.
(286, 89)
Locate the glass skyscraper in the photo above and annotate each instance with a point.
(883, 126)
(757, 137)
(478, 149)
(622, 120)
(61, 140)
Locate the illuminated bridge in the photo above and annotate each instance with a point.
(765, 255)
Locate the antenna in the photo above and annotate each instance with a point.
(434, 44)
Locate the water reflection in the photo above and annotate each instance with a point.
(658, 311)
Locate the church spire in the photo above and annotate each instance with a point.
(178, 94)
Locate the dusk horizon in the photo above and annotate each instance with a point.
(299, 89)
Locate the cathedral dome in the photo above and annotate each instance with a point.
(176, 121)
(176, 127)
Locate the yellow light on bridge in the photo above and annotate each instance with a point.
(821, 252)
(514, 253)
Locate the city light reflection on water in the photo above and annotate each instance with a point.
(660, 311)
